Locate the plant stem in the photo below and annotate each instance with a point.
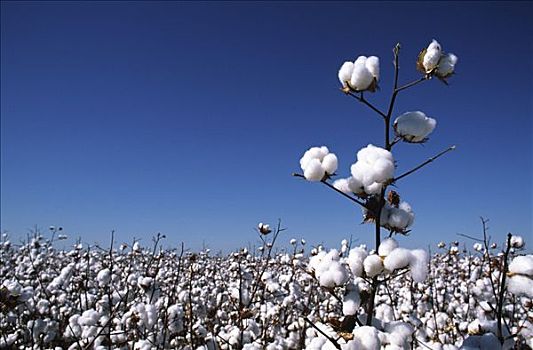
(451, 148)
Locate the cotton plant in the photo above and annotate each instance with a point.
(373, 172)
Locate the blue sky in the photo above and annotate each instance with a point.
(188, 118)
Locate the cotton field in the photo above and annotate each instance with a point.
(134, 297)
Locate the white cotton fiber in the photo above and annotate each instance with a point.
(351, 301)
(103, 277)
(361, 76)
(345, 73)
(374, 165)
(373, 265)
(317, 162)
(329, 163)
(419, 265)
(520, 285)
(314, 170)
(372, 64)
(368, 337)
(349, 185)
(387, 246)
(432, 56)
(414, 126)
(446, 65)
(522, 265)
(356, 258)
(517, 242)
(398, 259)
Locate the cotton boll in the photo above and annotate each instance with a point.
(314, 170)
(342, 185)
(372, 64)
(355, 260)
(345, 73)
(387, 246)
(361, 77)
(104, 277)
(374, 165)
(373, 265)
(520, 285)
(419, 265)
(349, 185)
(522, 265)
(414, 126)
(368, 336)
(432, 56)
(330, 163)
(517, 242)
(397, 259)
(351, 301)
(446, 65)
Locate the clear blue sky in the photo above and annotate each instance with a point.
(188, 118)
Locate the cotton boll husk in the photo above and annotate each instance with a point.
(522, 264)
(355, 260)
(373, 265)
(330, 163)
(361, 77)
(520, 285)
(397, 259)
(419, 265)
(345, 73)
(387, 246)
(372, 64)
(432, 56)
(368, 337)
(314, 170)
(446, 65)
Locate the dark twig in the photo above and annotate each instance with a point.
(451, 148)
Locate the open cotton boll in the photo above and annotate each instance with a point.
(517, 242)
(330, 163)
(522, 265)
(397, 259)
(520, 285)
(349, 185)
(373, 265)
(313, 153)
(356, 258)
(387, 246)
(374, 165)
(398, 219)
(345, 73)
(414, 126)
(317, 162)
(368, 338)
(419, 265)
(104, 277)
(361, 77)
(314, 170)
(351, 301)
(432, 56)
(446, 65)
(372, 64)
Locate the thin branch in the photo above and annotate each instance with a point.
(336, 190)
(413, 83)
(333, 341)
(470, 237)
(451, 148)
(364, 101)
